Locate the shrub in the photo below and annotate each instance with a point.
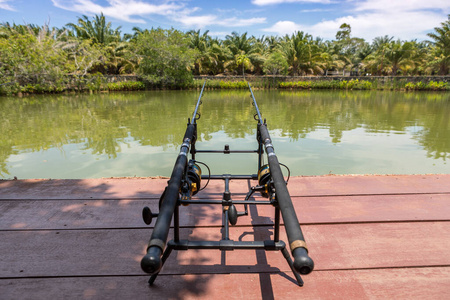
(126, 86)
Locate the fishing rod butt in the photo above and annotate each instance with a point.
(151, 263)
(303, 264)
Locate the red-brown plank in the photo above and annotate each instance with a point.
(336, 248)
(119, 188)
(104, 188)
(83, 214)
(372, 208)
(369, 185)
(411, 283)
(126, 213)
(118, 252)
(344, 246)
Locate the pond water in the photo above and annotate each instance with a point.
(139, 133)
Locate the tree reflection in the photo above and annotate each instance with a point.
(104, 122)
(435, 134)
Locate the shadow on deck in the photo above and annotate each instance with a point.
(370, 237)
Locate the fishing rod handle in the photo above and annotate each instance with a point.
(302, 262)
(151, 262)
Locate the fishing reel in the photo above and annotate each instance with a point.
(264, 182)
(191, 184)
(189, 187)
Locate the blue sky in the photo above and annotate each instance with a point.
(403, 19)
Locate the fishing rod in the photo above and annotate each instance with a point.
(152, 261)
(185, 182)
(277, 186)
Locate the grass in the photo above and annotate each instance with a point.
(355, 84)
(126, 86)
(98, 82)
(430, 86)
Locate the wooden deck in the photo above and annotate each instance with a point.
(371, 237)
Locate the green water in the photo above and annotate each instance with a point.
(139, 134)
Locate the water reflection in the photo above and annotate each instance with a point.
(127, 134)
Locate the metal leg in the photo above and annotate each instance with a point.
(291, 265)
(226, 227)
(176, 224)
(226, 202)
(164, 257)
(276, 234)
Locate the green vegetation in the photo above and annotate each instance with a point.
(220, 84)
(352, 84)
(164, 57)
(432, 85)
(77, 57)
(126, 86)
(355, 84)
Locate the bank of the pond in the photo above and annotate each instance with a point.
(101, 83)
(75, 84)
(426, 83)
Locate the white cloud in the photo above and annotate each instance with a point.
(405, 25)
(198, 21)
(4, 5)
(235, 22)
(218, 33)
(401, 5)
(284, 27)
(119, 9)
(272, 2)
(208, 20)
(315, 10)
(174, 10)
(402, 19)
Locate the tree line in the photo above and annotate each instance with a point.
(44, 56)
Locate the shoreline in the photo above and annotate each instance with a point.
(120, 83)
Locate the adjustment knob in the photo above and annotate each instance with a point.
(232, 214)
(147, 215)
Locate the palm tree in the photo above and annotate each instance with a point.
(376, 61)
(238, 43)
(419, 55)
(303, 54)
(200, 43)
(441, 50)
(218, 54)
(272, 42)
(361, 56)
(291, 48)
(329, 56)
(97, 30)
(260, 52)
(116, 58)
(244, 56)
(397, 54)
(211, 53)
(380, 41)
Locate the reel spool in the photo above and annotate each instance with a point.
(194, 176)
(191, 185)
(264, 179)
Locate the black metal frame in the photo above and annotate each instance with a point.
(279, 198)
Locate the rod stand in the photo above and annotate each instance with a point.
(230, 245)
(227, 244)
(185, 182)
